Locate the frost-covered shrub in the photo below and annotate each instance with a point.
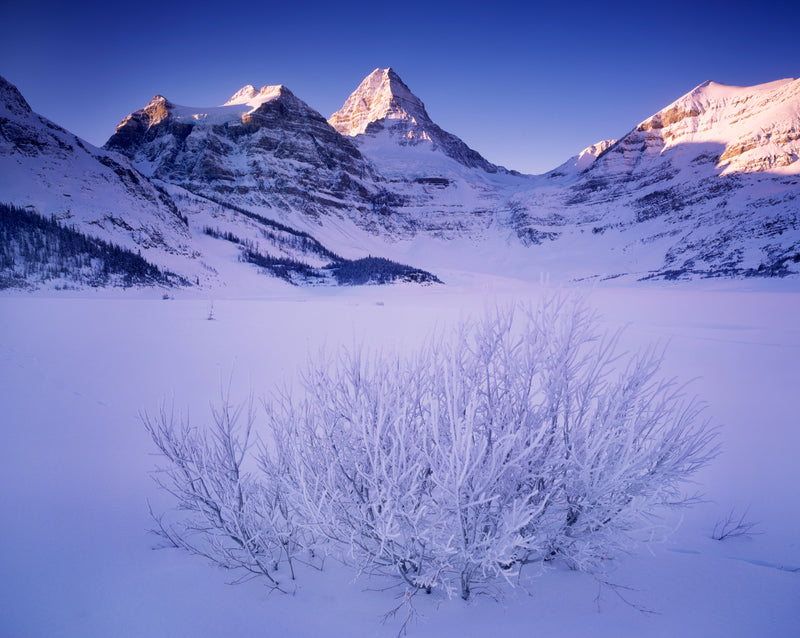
(522, 438)
(231, 516)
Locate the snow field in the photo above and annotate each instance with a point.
(75, 371)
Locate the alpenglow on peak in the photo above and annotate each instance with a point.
(251, 96)
(382, 95)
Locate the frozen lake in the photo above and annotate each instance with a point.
(75, 372)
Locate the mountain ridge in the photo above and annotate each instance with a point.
(63, 190)
(709, 186)
(266, 149)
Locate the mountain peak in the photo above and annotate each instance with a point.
(381, 95)
(251, 96)
(383, 108)
(247, 92)
(154, 112)
(713, 101)
(157, 100)
(710, 90)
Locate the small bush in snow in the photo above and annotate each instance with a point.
(734, 526)
(231, 516)
(524, 438)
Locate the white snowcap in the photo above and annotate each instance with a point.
(248, 95)
(588, 155)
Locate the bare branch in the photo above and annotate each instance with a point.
(734, 526)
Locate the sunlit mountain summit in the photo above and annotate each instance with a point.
(383, 110)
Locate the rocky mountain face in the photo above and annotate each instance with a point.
(708, 186)
(263, 148)
(49, 170)
(96, 195)
(440, 186)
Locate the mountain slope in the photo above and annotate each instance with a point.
(708, 186)
(439, 185)
(47, 169)
(36, 249)
(263, 148)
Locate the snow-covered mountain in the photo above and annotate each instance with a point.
(709, 186)
(49, 170)
(200, 234)
(384, 110)
(263, 148)
(440, 186)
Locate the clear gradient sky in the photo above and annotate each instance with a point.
(526, 84)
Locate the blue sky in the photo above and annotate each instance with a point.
(527, 86)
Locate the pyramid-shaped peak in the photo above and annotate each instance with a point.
(383, 76)
(386, 76)
(381, 95)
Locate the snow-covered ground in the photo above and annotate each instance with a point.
(77, 368)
